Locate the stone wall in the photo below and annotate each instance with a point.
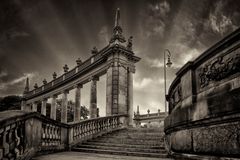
(204, 102)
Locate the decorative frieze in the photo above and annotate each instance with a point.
(219, 69)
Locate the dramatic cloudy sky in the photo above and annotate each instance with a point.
(37, 37)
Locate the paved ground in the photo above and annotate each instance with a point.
(90, 156)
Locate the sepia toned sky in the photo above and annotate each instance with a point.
(37, 37)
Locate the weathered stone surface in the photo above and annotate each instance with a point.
(181, 141)
(186, 84)
(218, 139)
(33, 133)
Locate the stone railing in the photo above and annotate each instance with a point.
(92, 128)
(150, 115)
(204, 113)
(24, 134)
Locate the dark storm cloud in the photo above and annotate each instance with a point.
(39, 37)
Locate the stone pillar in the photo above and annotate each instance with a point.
(43, 107)
(93, 98)
(77, 108)
(53, 107)
(34, 107)
(130, 98)
(109, 91)
(64, 107)
(117, 89)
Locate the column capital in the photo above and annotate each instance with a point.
(94, 78)
(78, 86)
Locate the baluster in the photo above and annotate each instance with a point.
(76, 132)
(88, 129)
(50, 135)
(53, 136)
(100, 125)
(50, 131)
(95, 126)
(5, 143)
(47, 135)
(11, 142)
(91, 126)
(115, 122)
(108, 124)
(85, 129)
(21, 133)
(59, 135)
(43, 134)
(104, 124)
(17, 142)
(81, 131)
(54, 133)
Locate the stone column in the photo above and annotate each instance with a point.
(43, 107)
(77, 109)
(64, 107)
(109, 90)
(130, 97)
(34, 107)
(117, 90)
(53, 107)
(93, 98)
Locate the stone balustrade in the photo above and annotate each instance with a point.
(89, 129)
(25, 134)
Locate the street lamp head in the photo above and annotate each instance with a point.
(169, 63)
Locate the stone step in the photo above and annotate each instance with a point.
(128, 141)
(143, 130)
(115, 152)
(137, 134)
(127, 145)
(120, 148)
(147, 138)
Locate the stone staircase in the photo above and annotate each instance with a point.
(141, 142)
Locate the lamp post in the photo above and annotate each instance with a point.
(168, 64)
